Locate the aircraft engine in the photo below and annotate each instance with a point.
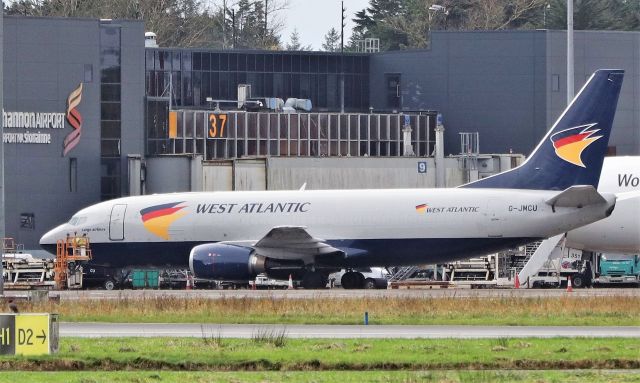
(225, 262)
(222, 261)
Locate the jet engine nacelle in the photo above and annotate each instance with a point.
(225, 262)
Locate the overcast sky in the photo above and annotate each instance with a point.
(313, 18)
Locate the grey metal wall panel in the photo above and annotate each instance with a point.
(594, 50)
(348, 173)
(500, 83)
(167, 174)
(250, 174)
(44, 60)
(40, 80)
(481, 82)
(217, 176)
(132, 93)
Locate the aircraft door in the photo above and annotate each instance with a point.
(495, 218)
(116, 223)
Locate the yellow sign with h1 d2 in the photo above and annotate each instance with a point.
(24, 334)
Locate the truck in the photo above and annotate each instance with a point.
(264, 282)
(555, 271)
(618, 268)
(586, 269)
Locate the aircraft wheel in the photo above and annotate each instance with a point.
(314, 280)
(369, 284)
(352, 280)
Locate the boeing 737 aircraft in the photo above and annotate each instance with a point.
(236, 235)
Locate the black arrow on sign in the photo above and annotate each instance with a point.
(43, 336)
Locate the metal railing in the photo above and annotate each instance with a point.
(228, 135)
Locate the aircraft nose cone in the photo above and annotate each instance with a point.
(49, 239)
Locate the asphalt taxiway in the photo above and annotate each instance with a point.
(336, 293)
(89, 330)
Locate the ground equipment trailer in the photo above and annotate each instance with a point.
(587, 269)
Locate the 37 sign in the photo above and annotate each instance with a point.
(217, 125)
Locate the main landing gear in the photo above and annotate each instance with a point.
(352, 280)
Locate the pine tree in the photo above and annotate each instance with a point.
(587, 14)
(331, 41)
(294, 43)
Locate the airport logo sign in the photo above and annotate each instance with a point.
(35, 127)
(75, 120)
(157, 219)
(570, 143)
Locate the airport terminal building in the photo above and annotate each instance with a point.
(90, 114)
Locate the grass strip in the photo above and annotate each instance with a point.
(324, 376)
(552, 311)
(278, 353)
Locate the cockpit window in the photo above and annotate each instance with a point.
(75, 221)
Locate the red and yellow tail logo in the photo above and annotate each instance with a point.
(157, 219)
(570, 143)
(421, 208)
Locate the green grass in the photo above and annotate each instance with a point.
(324, 376)
(556, 311)
(271, 353)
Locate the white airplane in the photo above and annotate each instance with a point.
(618, 233)
(621, 231)
(236, 235)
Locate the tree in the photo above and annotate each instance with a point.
(254, 26)
(294, 43)
(181, 23)
(629, 15)
(587, 14)
(374, 21)
(331, 41)
(403, 24)
(498, 14)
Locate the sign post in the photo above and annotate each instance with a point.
(25, 334)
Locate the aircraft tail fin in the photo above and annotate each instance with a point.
(573, 150)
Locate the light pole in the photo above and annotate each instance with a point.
(544, 15)
(342, 25)
(570, 75)
(224, 24)
(2, 234)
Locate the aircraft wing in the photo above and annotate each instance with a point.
(576, 196)
(291, 242)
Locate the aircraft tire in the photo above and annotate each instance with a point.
(369, 284)
(313, 280)
(352, 280)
